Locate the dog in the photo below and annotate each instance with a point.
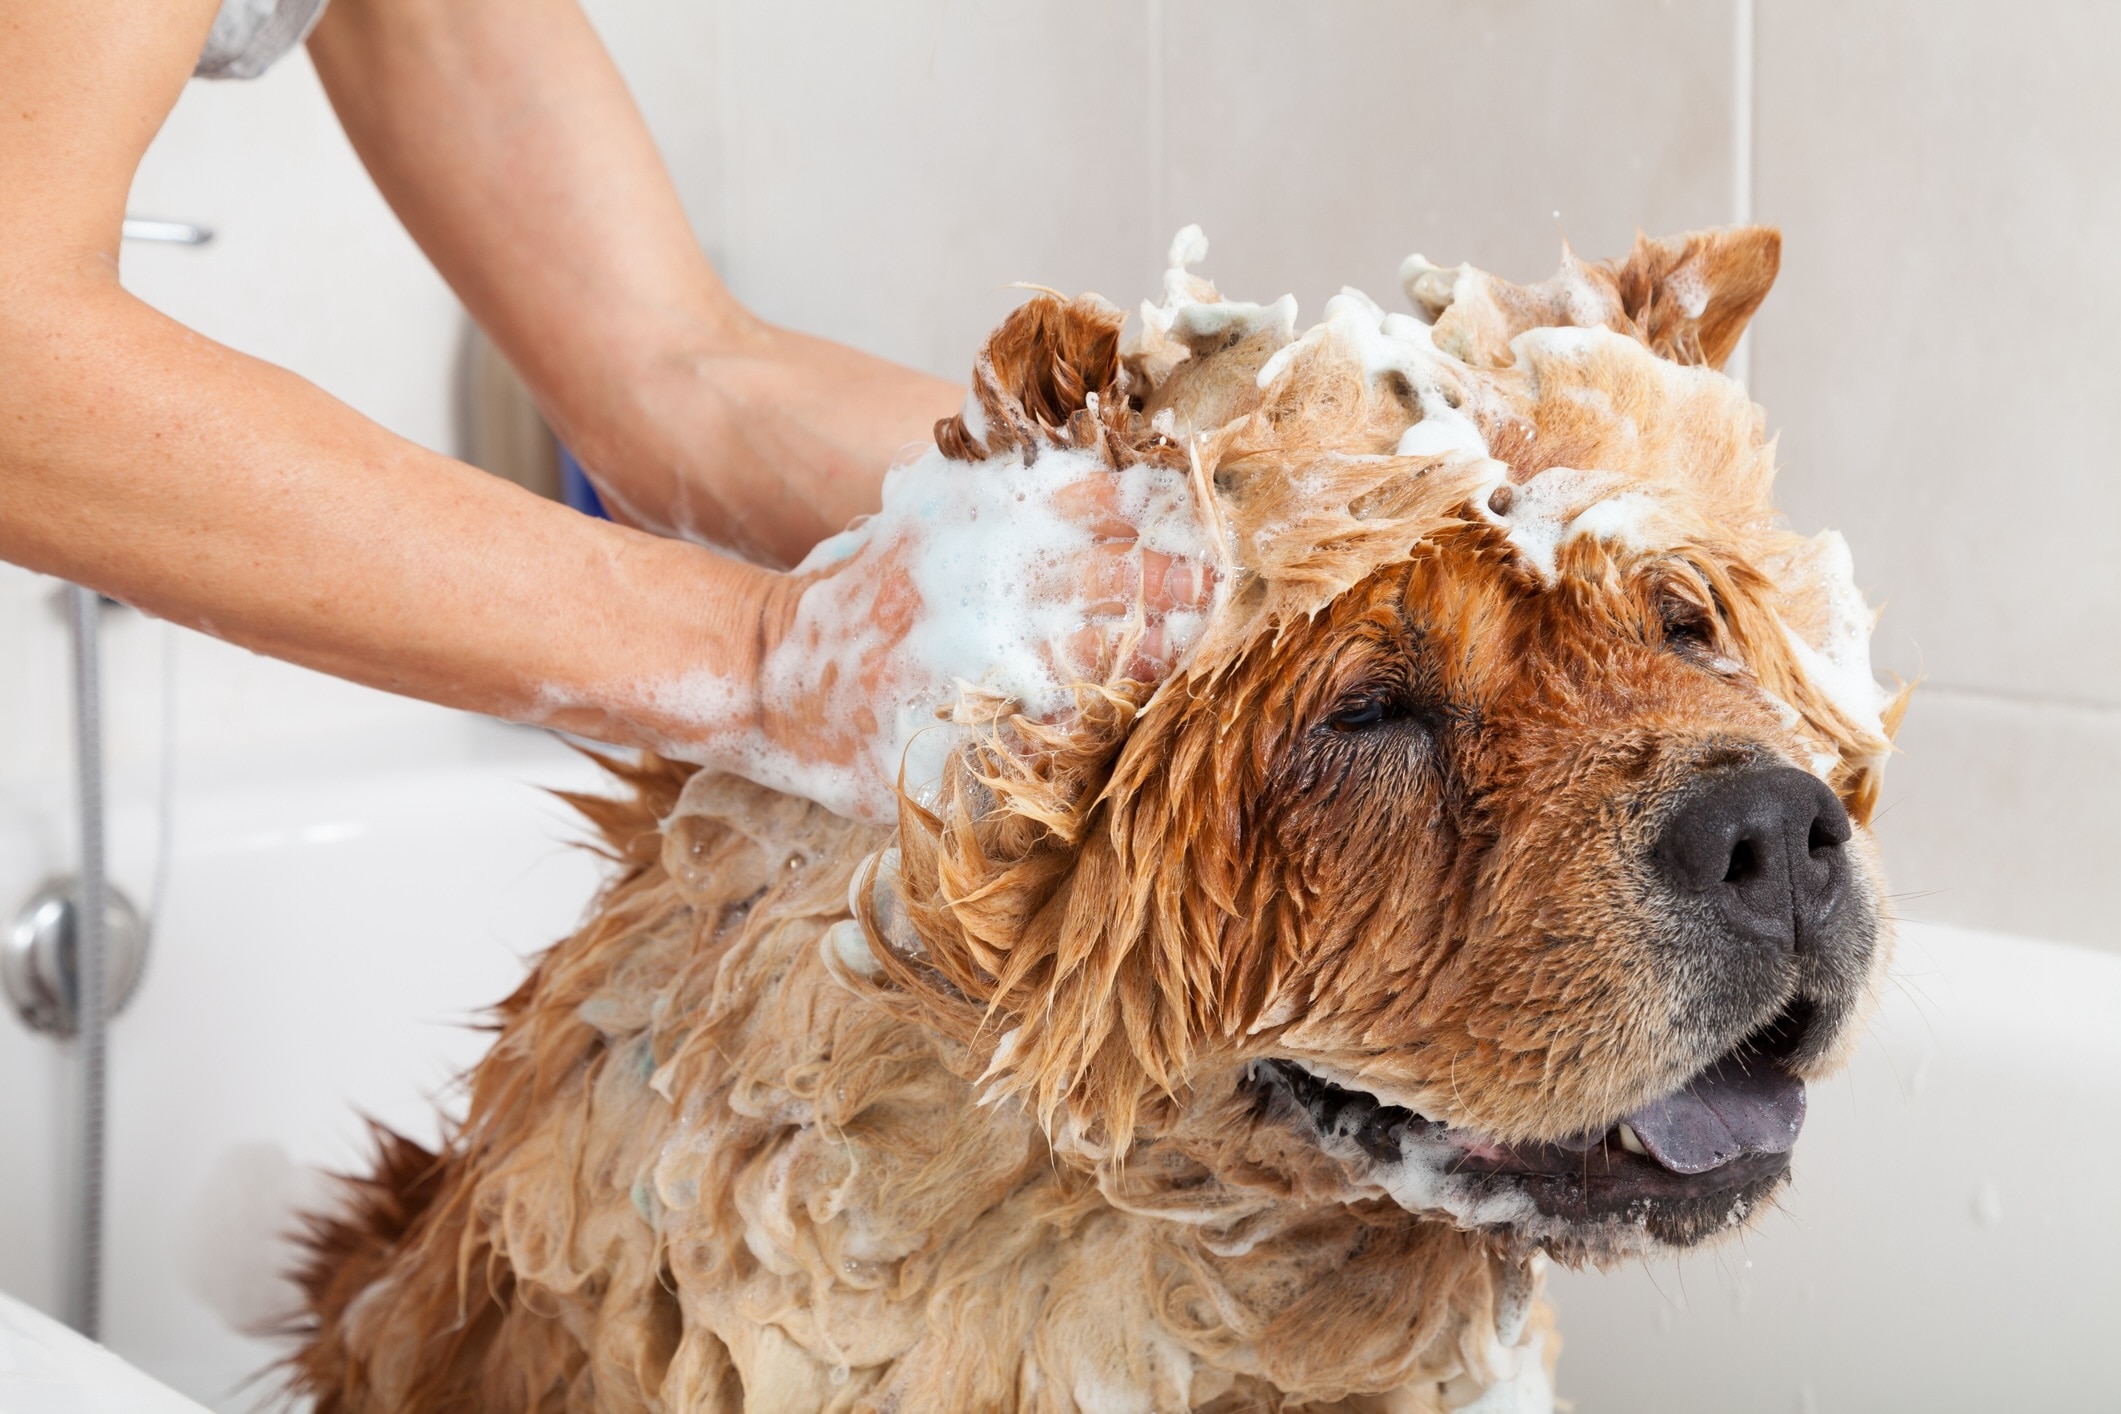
(1480, 891)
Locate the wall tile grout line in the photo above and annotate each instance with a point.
(1153, 128)
(2089, 706)
(1744, 72)
(722, 243)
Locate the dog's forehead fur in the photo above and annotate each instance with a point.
(1594, 397)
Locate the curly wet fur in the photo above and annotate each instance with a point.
(1002, 1149)
(590, 1243)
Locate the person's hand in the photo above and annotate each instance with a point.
(998, 585)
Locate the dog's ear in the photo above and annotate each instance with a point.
(1034, 381)
(1693, 295)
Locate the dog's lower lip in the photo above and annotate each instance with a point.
(1382, 1130)
(1676, 1148)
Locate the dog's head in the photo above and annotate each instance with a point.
(1502, 848)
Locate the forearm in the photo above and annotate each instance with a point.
(223, 493)
(507, 143)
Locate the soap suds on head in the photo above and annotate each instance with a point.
(1388, 344)
(956, 603)
(1839, 665)
(1194, 314)
(1563, 502)
(997, 563)
(1188, 247)
(1194, 324)
(1626, 520)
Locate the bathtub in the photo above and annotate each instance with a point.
(335, 917)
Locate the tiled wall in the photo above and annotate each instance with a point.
(1937, 356)
(1941, 360)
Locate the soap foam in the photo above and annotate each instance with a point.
(1192, 312)
(1429, 1176)
(1395, 343)
(1840, 664)
(1563, 502)
(997, 563)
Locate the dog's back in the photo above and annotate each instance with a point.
(701, 1174)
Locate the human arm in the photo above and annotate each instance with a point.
(223, 493)
(506, 141)
(229, 495)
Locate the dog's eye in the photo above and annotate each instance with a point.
(1362, 713)
(1687, 626)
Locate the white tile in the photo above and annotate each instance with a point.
(892, 168)
(1318, 145)
(1940, 354)
(1999, 813)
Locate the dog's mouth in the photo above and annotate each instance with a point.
(1680, 1168)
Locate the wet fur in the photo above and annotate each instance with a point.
(1021, 1161)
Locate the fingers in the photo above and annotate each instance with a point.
(1109, 581)
(1106, 651)
(1171, 584)
(1161, 582)
(1127, 596)
(1151, 659)
(1116, 578)
(1093, 504)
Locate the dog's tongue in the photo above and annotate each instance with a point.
(1725, 1111)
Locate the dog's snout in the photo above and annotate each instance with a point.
(1765, 845)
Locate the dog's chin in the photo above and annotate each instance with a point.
(1594, 1199)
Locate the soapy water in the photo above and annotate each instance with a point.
(994, 582)
(1396, 344)
(1840, 664)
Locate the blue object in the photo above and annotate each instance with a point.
(575, 489)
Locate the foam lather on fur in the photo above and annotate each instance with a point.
(1240, 1043)
(1118, 996)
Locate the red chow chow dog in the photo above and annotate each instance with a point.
(1484, 886)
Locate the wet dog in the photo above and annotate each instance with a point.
(1484, 887)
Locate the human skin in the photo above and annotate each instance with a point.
(229, 495)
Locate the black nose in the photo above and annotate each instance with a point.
(1765, 844)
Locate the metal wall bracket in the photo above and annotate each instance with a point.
(37, 956)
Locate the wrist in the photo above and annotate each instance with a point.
(776, 597)
(669, 653)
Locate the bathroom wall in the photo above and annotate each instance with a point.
(1940, 360)
(1935, 358)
